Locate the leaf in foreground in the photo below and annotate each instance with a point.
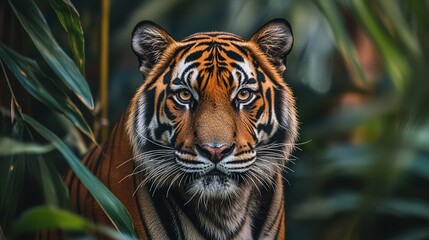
(69, 18)
(107, 201)
(35, 25)
(28, 73)
(50, 218)
(10, 146)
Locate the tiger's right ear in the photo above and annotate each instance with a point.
(275, 39)
(149, 42)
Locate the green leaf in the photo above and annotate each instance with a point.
(9, 146)
(344, 43)
(393, 12)
(113, 234)
(417, 233)
(108, 202)
(405, 208)
(28, 73)
(12, 174)
(35, 25)
(44, 218)
(393, 58)
(325, 208)
(69, 18)
(55, 191)
(351, 117)
(51, 218)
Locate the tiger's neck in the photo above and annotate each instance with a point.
(250, 215)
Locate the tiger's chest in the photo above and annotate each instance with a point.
(174, 216)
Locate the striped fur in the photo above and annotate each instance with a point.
(200, 151)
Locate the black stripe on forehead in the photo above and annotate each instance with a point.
(225, 36)
(194, 56)
(235, 56)
(218, 55)
(217, 52)
(242, 49)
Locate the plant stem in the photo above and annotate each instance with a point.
(104, 64)
(11, 93)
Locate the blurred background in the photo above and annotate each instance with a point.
(358, 70)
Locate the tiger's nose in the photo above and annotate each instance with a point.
(215, 154)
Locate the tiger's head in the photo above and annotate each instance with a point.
(213, 115)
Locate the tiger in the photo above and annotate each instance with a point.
(200, 151)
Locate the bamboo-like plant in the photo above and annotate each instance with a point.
(19, 152)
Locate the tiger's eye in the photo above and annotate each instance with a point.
(184, 95)
(244, 95)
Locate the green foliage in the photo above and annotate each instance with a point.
(35, 25)
(29, 75)
(343, 40)
(363, 173)
(108, 202)
(10, 146)
(54, 218)
(69, 18)
(23, 158)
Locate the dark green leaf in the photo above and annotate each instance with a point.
(12, 173)
(324, 208)
(348, 118)
(405, 208)
(417, 233)
(69, 18)
(344, 43)
(393, 12)
(9, 146)
(108, 202)
(28, 73)
(55, 191)
(35, 25)
(393, 58)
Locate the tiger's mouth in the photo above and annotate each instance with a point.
(215, 172)
(214, 184)
(219, 176)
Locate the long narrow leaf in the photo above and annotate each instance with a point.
(325, 208)
(344, 42)
(50, 218)
(12, 173)
(393, 58)
(43, 218)
(35, 25)
(416, 233)
(392, 10)
(28, 73)
(108, 202)
(9, 146)
(405, 208)
(69, 18)
(55, 191)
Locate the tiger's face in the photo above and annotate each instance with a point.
(213, 116)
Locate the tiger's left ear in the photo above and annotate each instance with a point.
(275, 39)
(149, 42)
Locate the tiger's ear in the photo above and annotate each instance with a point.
(149, 41)
(275, 39)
